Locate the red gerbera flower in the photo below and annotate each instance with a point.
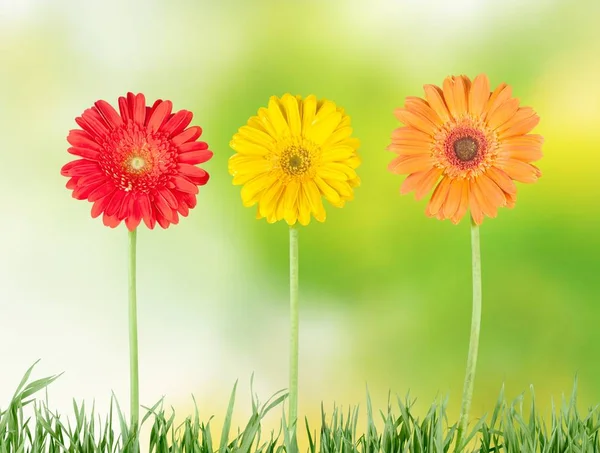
(139, 164)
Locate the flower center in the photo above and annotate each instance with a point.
(137, 163)
(137, 160)
(295, 160)
(465, 149)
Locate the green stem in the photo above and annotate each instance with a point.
(474, 341)
(133, 341)
(293, 389)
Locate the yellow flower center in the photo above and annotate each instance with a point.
(295, 160)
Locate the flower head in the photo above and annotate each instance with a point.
(292, 154)
(468, 143)
(137, 164)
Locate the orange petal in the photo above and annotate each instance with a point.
(407, 149)
(524, 153)
(475, 207)
(439, 197)
(511, 200)
(464, 203)
(410, 134)
(525, 140)
(410, 164)
(519, 171)
(415, 120)
(435, 98)
(448, 89)
(420, 179)
(503, 113)
(479, 95)
(491, 192)
(484, 204)
(418, 105)
(453, 199)
(461, 93)
(500, 95)
(521, 128)
(427, 183)
(502, 180)
(524, 113)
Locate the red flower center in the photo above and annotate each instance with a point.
(465, 147)
(137, 160)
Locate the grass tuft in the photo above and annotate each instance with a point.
(512, 428)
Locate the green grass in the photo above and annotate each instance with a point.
(27, 425)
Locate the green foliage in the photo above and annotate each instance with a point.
(511, 429)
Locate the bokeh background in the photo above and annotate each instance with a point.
(385, 291)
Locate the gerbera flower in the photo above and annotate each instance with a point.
(138, 163)
(291, 155)
(469, 144)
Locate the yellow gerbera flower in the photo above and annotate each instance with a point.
(291, 154)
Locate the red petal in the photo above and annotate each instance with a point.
(126, 205)
(80, 167)
(109, 221)
(192, 146)
(94, 178)
(82, 139)
(114, 206)
(177, 123)
(84, 152)
(169, 197)
(158, 116)
(139, 109)
(195, 157)
(190, 171)
(150, 110)
(83, 192)
(164, 223)
(92, 122)
(124, 109)
(189, 135)
(135, 214)
(109, 114)
(99, 205)
(183, 209)
(163, 207)
(101, 191)
(72, 183)
(146, 211)
(184, 185)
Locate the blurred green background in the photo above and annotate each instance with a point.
(385, 291)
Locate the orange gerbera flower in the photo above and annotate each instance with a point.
(468, 143)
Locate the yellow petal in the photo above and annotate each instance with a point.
(293, 115)
(325, 122)
(270, 197)
(245, 147)
(337, 153)
(303, 208)
(313, 196)
(309, 110)
(253, 189)
(342, 188)
(257, 136)
(328, 192)
(339, 135)
(276, 117)
(340, 167)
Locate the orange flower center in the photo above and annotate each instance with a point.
(465, 149)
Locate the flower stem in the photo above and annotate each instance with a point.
(133, 341)
(293, 389)
(474, 340)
